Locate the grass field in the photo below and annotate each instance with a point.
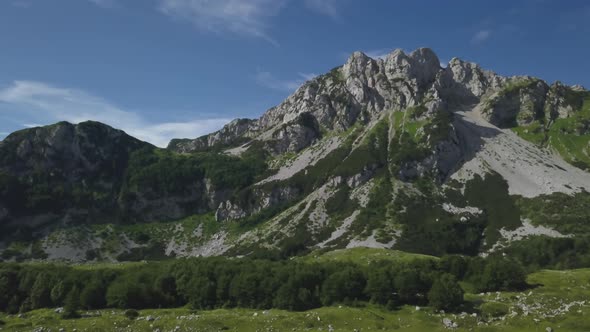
(558, 299)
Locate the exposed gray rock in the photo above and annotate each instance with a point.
(449, 324)
(557, 106)
(229, 134)
(227, 210)
(520, 103)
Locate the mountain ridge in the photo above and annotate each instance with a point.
(378, 152)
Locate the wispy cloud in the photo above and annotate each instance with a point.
(325, 7)
(104, 3)
(43, 103)
(481, 36)
(21, 3)
(268, 80)
(242, 17)
(378, 54)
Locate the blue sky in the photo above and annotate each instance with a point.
(181, 68)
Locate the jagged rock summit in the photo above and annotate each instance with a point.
(388, 153)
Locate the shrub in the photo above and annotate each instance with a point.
(346, 285)
(493, 309)
(503, 274)
(446, 293)
(131, 313)
(454, 264)
(93, 295)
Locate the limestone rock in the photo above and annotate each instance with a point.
(449, 324)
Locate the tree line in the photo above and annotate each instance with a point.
(207, 283)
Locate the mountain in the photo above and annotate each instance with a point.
(388, 153)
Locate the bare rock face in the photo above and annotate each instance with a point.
(229, 134)
(558, 105)
(227, 210)
(358, 91)
(260, 198)
(294, 136)
(520, 102)
(75, 150)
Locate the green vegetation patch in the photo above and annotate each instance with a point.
(568, 214)
(570, 137)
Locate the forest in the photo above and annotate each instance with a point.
(207, 283)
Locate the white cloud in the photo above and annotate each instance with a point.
(481, 36)
(325, 7)
(40, 102)
(242, 17)
(268, 80)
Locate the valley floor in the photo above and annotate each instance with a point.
(559, 300)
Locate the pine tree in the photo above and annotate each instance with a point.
(72, 304)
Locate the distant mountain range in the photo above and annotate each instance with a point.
(387, 153)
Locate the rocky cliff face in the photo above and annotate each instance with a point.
(378, 152)
(90, 172)
(55, 170)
